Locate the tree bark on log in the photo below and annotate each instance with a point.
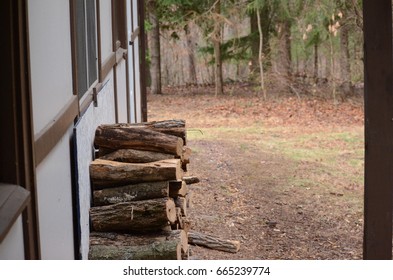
(124, 239)
(136, 156)
(117, 137)
(137, 192)
(106, 173)
(168, 250)
(156, 246)
(138, 216)
(191, 180)
(211, 242)
(170, 127)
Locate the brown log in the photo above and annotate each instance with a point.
(106, 173)
(137, 192)
(117, 137)
(181, 202)
(171, 127)
(191, 180)
(138, 216)
(135, 156)
(168, 250)
(169, 241)
(176, 190)
(211, 242)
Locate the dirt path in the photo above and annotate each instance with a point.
(277, 206)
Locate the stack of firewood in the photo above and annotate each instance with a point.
(140, 199)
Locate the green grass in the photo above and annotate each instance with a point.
(335, 158)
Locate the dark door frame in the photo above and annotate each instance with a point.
(16, 125)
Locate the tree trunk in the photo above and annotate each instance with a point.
(132, 137)
(345, 65)
(191, 57)
(316, 64)
(212, 242)
(264, 14)
(106, 173)
(154, 43)
(138, 216)
(217, 37)
(137, 192)
(260, 56)
(284, 49)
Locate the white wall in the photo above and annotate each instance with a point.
(85, 131)
(12, 246)
(51, 85)
(54, 197)
(50, 58)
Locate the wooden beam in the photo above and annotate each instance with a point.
(47, 139)
(378, 198)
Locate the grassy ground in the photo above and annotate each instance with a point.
(283, 176)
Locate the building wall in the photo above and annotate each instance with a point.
(55, 207)
(12, 246)
(84, 134)
(52, 89)
(50, 58)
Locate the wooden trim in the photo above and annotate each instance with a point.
(99, 48)
(13, 201)
(88, 98)
(134, 35)
(16, 143)
(107, 66)
(73, 47)
(378, 85)
(120, 55)
(142, 56)
(115, 95)
(47, 139)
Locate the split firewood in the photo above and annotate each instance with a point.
(137, 216)
(117, 137)
(181, 202)
(211, 242)
(168, 250)
(178, 190)
(191, 180)
(135, 156)
(171, 127)
(155, 246)
(137, 192)
(106, 173)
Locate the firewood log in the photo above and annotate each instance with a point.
(135, 156)
(181, 202)
(212, 242)
(178, 190)
(117, 137)
(167, 250)
(137, 192)
(169, 241)
(137, 216)
(171, 127)
(106, 173)
(191, 180)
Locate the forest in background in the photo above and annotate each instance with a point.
(295, 46)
